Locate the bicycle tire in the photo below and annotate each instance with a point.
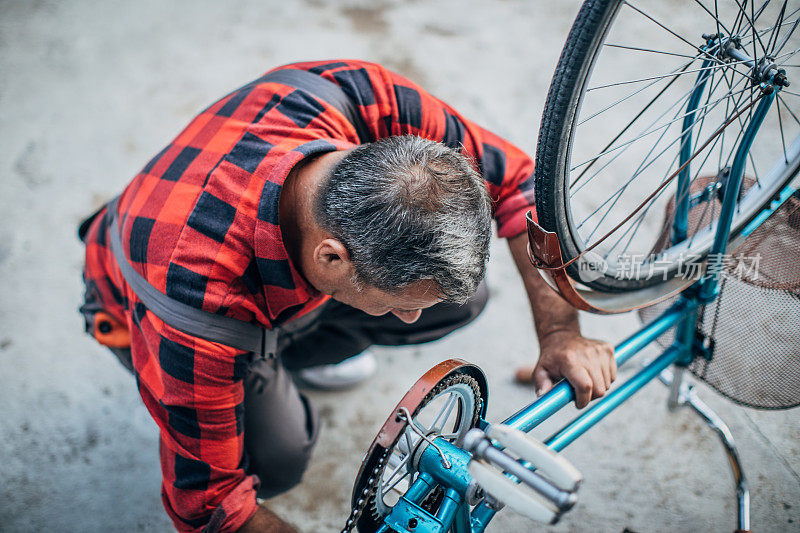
(562, 106)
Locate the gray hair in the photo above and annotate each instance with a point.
(408, 209)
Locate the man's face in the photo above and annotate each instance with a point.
(406, 305)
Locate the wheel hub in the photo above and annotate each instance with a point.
(763, 70)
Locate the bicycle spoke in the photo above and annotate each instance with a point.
(778, 22)
(389, 489)
(622, 189)
(648, 131)
(761, 10)
(622, 132)
(737, 24)
(610, 45)
(705, 53)
(443, 414)
(787, 56)
(715, 17)
(786, 37)
(605, 149)
(396, 471)
(641, 216)
(642, 166)
(628, 144)
(662, 76)
(590, 117)
(780, 126)
(659, 190)
(752, 28)
(727, 162)
(774, 28)
(625, 185)
(779, 97)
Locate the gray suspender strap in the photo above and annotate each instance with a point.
(325, 90)
(209, 326)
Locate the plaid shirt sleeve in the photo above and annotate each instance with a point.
(199, 410)
(200, 223)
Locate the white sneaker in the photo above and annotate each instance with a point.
(346, 374)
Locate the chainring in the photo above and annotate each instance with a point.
(431, 384)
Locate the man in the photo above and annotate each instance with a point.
(269, 209)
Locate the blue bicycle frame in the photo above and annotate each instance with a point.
(454, 513)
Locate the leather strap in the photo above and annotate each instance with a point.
(323, 89)
(209, 326)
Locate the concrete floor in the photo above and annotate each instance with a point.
(90, 90)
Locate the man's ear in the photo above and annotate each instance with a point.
(331, 256)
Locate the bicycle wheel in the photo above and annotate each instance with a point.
(449, 409)
(638, 83)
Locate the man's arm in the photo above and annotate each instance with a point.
(265, 521)
(587, 364)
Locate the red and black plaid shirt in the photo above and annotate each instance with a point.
(200, 223)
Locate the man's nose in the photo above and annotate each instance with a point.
(409, 317)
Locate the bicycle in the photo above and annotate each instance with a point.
(437, 465)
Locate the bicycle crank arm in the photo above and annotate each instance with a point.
(542, 495)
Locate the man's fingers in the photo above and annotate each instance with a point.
(536, 376)
(581, 382)
(541, 380)
(598, 381)
(613, 365)
(524, 375)
(605, 368)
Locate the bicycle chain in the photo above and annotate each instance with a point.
(372, 486)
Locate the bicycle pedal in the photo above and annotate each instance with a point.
(542, 495)
(561, 472)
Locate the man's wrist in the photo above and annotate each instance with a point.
(560, 332)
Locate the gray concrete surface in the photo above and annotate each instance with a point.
(90, 90)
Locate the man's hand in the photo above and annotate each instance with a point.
(587, 364)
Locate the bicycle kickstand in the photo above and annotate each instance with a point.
(682, 394)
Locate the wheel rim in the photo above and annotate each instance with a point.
(651, 143)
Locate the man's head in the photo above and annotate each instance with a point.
(413, 217)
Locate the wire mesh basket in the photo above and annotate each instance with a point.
(752, 329)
